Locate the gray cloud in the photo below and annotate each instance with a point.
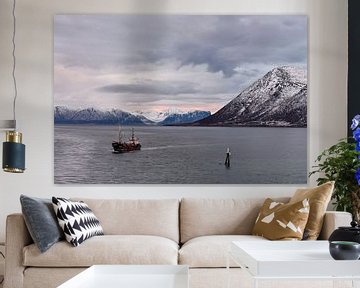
(221, 42)
(231, 51)
(158, 87)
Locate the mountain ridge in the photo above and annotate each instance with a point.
(65, 115)
(278, 99)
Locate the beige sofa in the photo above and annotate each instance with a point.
(194, 232)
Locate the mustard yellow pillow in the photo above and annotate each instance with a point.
(319, 198)
(279, 221)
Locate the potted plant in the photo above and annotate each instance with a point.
(341, 163)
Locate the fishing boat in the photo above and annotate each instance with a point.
(121, 146)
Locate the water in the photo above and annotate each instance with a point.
(181, 155)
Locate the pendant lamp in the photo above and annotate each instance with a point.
(13, 149)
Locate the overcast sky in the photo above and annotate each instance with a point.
(156, 62)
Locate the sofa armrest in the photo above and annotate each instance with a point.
(17, 237)
(333, 220)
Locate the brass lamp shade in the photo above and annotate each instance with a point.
(13, 153)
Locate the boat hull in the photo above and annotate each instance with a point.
(121, 147)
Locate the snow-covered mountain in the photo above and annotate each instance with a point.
(64, 115)
(279, 99)
(173, 116)
(158, 116)
(185, 118)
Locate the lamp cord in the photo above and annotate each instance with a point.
(14, 60)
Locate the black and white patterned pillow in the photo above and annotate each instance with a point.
(77, 220)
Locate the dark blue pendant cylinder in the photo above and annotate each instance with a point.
(13, 157)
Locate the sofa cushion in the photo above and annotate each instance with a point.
(107, 249)
(41, 221)
(35, 277)
(201, 217)
(76, 220)
(279, 221)
(319, 198)
(158, 217)
(211, 251)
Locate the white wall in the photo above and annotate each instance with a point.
(327, 89)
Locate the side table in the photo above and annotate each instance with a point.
(295, 262)
(131, 276)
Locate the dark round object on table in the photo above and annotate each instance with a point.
(344, 250)
(346, 233)
(353, 223)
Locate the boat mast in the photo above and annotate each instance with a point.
(132, 135)
(119, 133)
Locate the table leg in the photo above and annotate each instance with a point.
(228, 270)
(255, 283)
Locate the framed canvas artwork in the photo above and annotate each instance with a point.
(180, 99)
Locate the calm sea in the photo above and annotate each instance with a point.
(181, 155)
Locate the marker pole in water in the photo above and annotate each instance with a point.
(227, 159)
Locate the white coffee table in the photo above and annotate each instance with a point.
(131, 276)
(297, 260)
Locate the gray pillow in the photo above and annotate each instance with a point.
(41, 221)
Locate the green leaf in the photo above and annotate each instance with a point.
(339, 163)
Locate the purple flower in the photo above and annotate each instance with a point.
(356, 134)
(355, 126)
(357, 176)
(355, 122)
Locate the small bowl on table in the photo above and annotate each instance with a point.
(344, 250)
